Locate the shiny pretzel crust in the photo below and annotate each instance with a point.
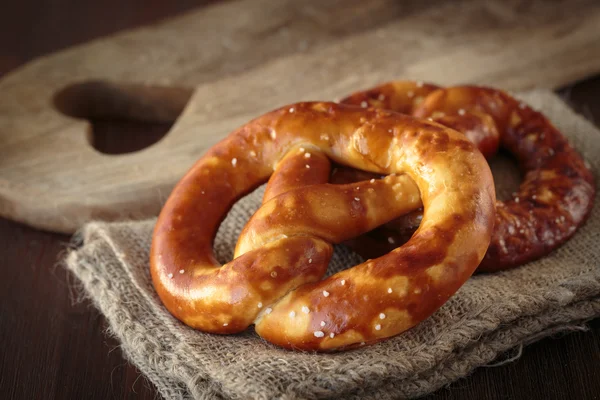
(557, 192)
(274, 281)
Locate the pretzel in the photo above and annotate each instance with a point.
(554, 199)
(274, 280)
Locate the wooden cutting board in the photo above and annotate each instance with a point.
(212, 70)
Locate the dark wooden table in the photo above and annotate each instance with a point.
(54, 346)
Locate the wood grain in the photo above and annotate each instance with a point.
(268, 54)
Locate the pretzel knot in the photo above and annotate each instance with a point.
(274, 280)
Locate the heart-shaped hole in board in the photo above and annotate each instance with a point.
(125, 117)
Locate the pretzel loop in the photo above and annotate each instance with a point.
(274, 279)
(557, 191)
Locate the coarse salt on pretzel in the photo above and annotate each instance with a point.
(275, 277)
(557, 191)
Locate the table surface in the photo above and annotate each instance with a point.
(55, 344)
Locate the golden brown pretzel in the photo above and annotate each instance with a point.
(274, 278)
(557, 191)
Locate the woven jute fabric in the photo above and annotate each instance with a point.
(490, 314)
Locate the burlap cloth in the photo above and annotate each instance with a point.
(488, 316)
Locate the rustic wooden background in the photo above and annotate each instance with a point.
(54, 345)
(215, 68)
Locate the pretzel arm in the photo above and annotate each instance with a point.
(333, 213)
(299, 167)
(303, 167)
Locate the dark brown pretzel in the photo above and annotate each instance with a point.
(557, 191)
(274, 280)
